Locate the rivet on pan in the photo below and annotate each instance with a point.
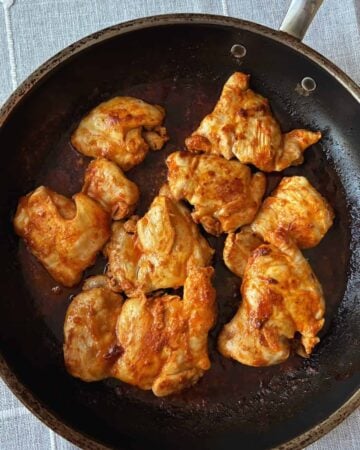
(308, 84)
(238, 51)
(306, 87)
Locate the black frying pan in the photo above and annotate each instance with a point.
(181, 62)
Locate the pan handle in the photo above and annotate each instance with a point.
(299, 17)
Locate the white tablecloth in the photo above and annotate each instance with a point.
(31, 31)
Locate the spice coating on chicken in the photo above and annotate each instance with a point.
(90, 347)
(122, 130)
(158, 343)
(238, 248)
(165, 339)
(225, 194)
(296, 207)
(242, 126)
(281, 296)
(156, 251)
(105, 182)
(65, 235)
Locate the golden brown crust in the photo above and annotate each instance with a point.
(280, 296)
(296, 207)
(90, 346)
(105, 182)
(165, 338)
(65, 235)
(158, 343)
(243, 126)
(122, 130)
(225, 194)
(238, 248)
(158, 251)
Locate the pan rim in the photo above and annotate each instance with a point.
(40, 410)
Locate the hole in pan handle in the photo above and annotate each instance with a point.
(299, 17)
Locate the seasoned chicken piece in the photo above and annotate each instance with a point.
(122, 130)
(238, 248)
(280, 297)
(106, 183)
(243, 126)
(90, 347)
(165, 339)
(158, 343)
(299, 208)
(224, 193)
(295, 206)
(156, 251)
(65, 235)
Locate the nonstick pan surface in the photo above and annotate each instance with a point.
(182, 62)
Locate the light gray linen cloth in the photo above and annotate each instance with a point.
(31, 31)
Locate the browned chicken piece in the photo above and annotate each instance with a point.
(225, 194)
(242, 125)
(90, 347)
(158, 343)
(65, 235)
(238, 248)
(122, 130)
(295, 206)
(106, 183)
(280, 297)
(299, 208)
(156, 251)
(165, 339)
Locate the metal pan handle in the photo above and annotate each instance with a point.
(299, 17)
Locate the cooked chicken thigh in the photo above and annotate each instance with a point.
(280, 297)
(65, 235)
(158, 343)
(299, 208)
(224, 193)
(238, 248)
(106, 183)
(165, 339)
(296, 207)
(90, 347)
(156, 251)
(122, 130)
(243, 126)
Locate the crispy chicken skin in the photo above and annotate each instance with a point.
(243, 126)
(90, 346)
(65, 235)
(165, 339)
(225, 194)
(122, 130)
(295, 206)
(280, 297)
(105, 182)
(156, 251)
